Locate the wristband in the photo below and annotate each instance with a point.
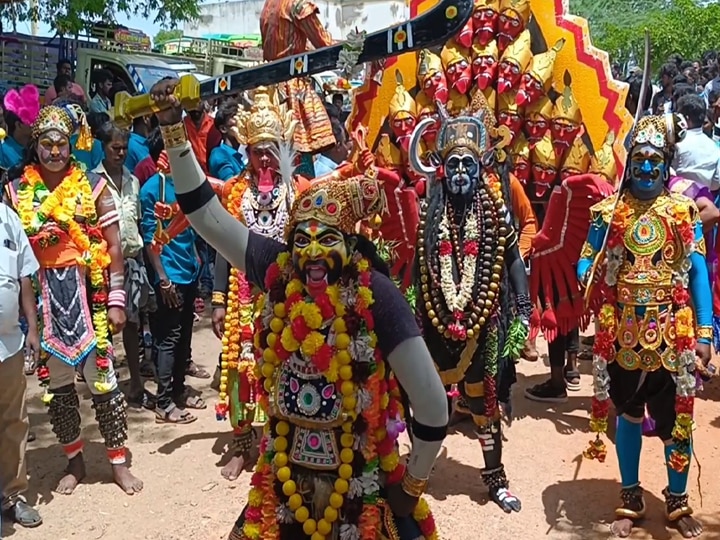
(174, 135)
(705, 332)
(117, 280)
(415, 487)
(218, 299)
(117, 299)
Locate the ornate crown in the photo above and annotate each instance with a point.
(266, 121)
(453, 52)
(487, 4)
(662, 132)
(603, 162)
(543, 153)
(429, 64)
(507, 101)
(520, 7)
(402, 102)
(52, 118)
(339, 203)
(542, 107)
(520, 149)
(482, 51)
(578, 158)
(424, 104)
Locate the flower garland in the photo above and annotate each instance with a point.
(684, 330)
(54, 221)
(288, 325)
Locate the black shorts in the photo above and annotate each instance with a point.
(657, 393)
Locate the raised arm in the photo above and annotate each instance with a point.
(700, 286)
(307, 19)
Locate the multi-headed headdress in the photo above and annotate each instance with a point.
(339, 203)
(402, 104)
(452, 53)
(52, 118)
(662, 132)
(603, 162)
(25, 103)
(266, 121)
(80, 123)
(541, 65)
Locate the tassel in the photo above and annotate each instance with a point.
(85, 139)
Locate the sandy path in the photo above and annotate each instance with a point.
(185, 498)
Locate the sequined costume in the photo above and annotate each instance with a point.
(656, 305)
(468, 263)
(73, 230)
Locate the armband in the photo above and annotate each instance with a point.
(705, 332)
(110, 218)
(218, 299)
(174, 135)
(428, 433)
(415, 487)
(117, 299)
(117, 280)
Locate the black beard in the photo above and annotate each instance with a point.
(333, 274)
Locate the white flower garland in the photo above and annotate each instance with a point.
(456, 296)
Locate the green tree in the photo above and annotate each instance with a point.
(71, 16)
(166, 35)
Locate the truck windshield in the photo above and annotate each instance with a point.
(149, 75)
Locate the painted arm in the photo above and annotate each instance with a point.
(307, 20)
(526, 217)
(700, 284)
(416, 373)
(592, 246)
(221, 282)
(109, 221)
(203, 209)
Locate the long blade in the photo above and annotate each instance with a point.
(434, 27)
(638, 115)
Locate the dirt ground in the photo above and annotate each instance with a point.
(564, 497)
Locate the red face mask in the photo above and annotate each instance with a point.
(484, 71)
(535, 128)
(522, 170)
(530, 90)
(430, 134)
(465, 36)
(563, 134)
(509, 77)
(509, 27)
(484, 25)
(436, 87)
(543, 179)
(402, 129)
(512, 120)
(459, 76)
(263, 160)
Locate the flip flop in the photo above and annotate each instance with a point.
(572, 379)
(193, 370)
(184, 418)
(195, 402)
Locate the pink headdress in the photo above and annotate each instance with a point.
(25, 103)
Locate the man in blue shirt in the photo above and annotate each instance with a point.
(225, 160)
(329, 160)
(13, 147)
(138, 145)
(176, 271)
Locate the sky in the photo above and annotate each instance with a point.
(136, 23)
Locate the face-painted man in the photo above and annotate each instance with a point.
(462, 172)
(53, 150)
(319, 254)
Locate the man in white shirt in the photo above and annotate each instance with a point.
(697, 157)
(17, 265)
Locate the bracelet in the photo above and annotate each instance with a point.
(174, 135)
(117, 280)
(705, 332)
(166, 286)
(117, 298)
(414, 487)
(218, 299)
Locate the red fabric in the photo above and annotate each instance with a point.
(145, 169)
(214, 139)
(556, 250)
(198, 138)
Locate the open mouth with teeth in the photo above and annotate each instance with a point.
(541, 188)
(317, 274)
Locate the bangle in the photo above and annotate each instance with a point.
(218, 299)
(117, 298)
(414, 487)
(165, 285)
(705, 332)
(174, 135)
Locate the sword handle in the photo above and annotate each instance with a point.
(128, 107)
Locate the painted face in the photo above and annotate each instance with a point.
(53, 149)
(544, 178)
(648, 171)
(484, 70)
(465, 36)
(536, 126)
(459, 76)
(521, 170)
(462, 172)
(508, 76)
(512, 120)
(484, 25)
(436, 87)
(509, 27)
(402, 127)
(264, 161)
(530, 90)
(319, 253)
(431, 132)
(564, 133)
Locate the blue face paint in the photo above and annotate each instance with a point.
(647, 171)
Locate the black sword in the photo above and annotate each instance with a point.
(432, 28)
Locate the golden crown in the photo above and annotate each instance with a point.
(487, 4)
(603, 162)
(428, 65)
(541, 65)
(453, 52)
(402, 102)
(542, 107)
(566, 106)
(482, 51)
(543, 153)
(519, 52)
(520, 149)
(520, 7)
(266, 121)
(424, 104)
(52, 118)
(578, 158)
(339, 203)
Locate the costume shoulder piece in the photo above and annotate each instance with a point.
(602, 211)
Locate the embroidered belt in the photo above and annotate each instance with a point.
(644, 294)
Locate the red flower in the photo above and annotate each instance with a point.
(273, 273)
(100, 297)
(280, 351)
(395, 476)
(684, 405)
(293, 299)
(256, 480)
(385, 446)
(43, 372)
(427, 526)
(445, 247)
(680, 295)
(471, 248)
(364, 279)
(102, 363)
(253, 515)
(325, 305)
(600, 409)
(300, 329)
(322, 358)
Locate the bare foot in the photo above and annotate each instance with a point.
(689, 527)
(125, 479)
(622, 527)
(234, 467)
(74, 473)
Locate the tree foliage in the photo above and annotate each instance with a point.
(687, 27)
(167, 35)
(71, 16)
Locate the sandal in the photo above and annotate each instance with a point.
(163, 417)
(572, 379)
(194, 402)
(24, 515)
(193, 370)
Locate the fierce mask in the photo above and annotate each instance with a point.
(513, 19)
(427, 109)
(513, 63)
(544, 167)
(456, 61)
(538, 117)
(485, 18)
(537, 79)
(319, 254)
(520, 159)
(485, 64)
(509, 114)
(462, 172)
(465, 36)
(577, 160)
(431, 77)
(566, 123)
(403, 114)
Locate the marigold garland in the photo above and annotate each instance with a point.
(289, 323)
(53, 221)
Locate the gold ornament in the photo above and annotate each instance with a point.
(452, 53)
(519, 9)
(266, 121)
(429, 64)
(541, 65)
(519, 53)
(543, 153)
(402, 105)
(52, 118)
(566, 106)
